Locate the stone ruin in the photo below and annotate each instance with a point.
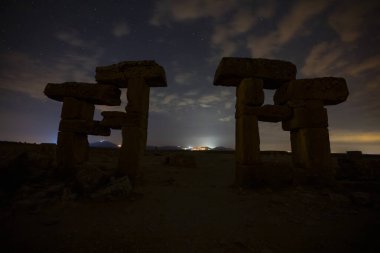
(298, 104)
(78, 111)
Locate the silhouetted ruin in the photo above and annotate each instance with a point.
(78, 111)
(298, 104)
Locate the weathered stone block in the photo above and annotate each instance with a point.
(73, 108)
(119, 74)
(114, 120)
(304, 117)
(331, 90)
(311, 154)
(92, 93)
(247, 140)
(267, 113)
(84, 127)
(72, 151)
(132, 151)
(250, 92)
(231, 71)
(273, 113)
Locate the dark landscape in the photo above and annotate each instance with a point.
(186, 202)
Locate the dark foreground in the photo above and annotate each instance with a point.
(194, 208)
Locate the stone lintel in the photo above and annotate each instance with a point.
(304, 117)
(90, 92)
(266, 113)
(330, 90)
(120, 73)
(231, 71)
(114, 119)
(84, 127)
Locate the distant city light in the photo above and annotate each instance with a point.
(119, 145)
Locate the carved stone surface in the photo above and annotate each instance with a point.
(84, 127)
(231, 71)
(119, 74)
(73, 108)
(114, 119)
(72, 150)
(331, 90)
(311, 154)
(304, 117)
(92, 93)
(250, 92)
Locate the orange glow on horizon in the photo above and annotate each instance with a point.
(371, 137)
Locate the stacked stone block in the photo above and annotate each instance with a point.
(251, 76)
(308, 127)
(77, 120)
(137, 77)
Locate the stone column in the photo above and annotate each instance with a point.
(250, 76)
(308, 126)
(137, 77)
(249, 96)
(77, 120)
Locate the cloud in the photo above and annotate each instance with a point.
(168, 99)
(184, 78)
(368, 64)
(242, 21)
(186, 102)
(324, 59)
(183, 10)
(351, 22)
(228, 105)
(300, 13)
(191, 93)
(120, 29)
(209, 99)
(227, 119)
(23, 73)
(70, 37)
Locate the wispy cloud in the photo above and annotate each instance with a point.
(184, 77)
(287, 29)
(120, 29)
(226, 119)
(70, 37)
(181, 10)
(349, 22)
(324, 59)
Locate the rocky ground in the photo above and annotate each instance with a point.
(186, 203)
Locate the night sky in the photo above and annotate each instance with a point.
(58, 41)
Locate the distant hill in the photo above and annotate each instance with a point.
(103, 144)
(222, 149)
(163, 148)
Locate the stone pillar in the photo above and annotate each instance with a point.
(77, 120)
(137, 77)
(251, 76)
(249, 95)
(308, 126)
(135, 130)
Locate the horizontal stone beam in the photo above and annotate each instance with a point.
(92, 93)
(84, 127)
(330, 90)
(266, 113)
(119, 74)
(304, 117)
(114, 119)
(231, 71)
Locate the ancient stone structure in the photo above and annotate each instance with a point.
(308, 127)
(251, 76)
(77, 120)
(78, 111)
(298, 104)
(137, 77)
